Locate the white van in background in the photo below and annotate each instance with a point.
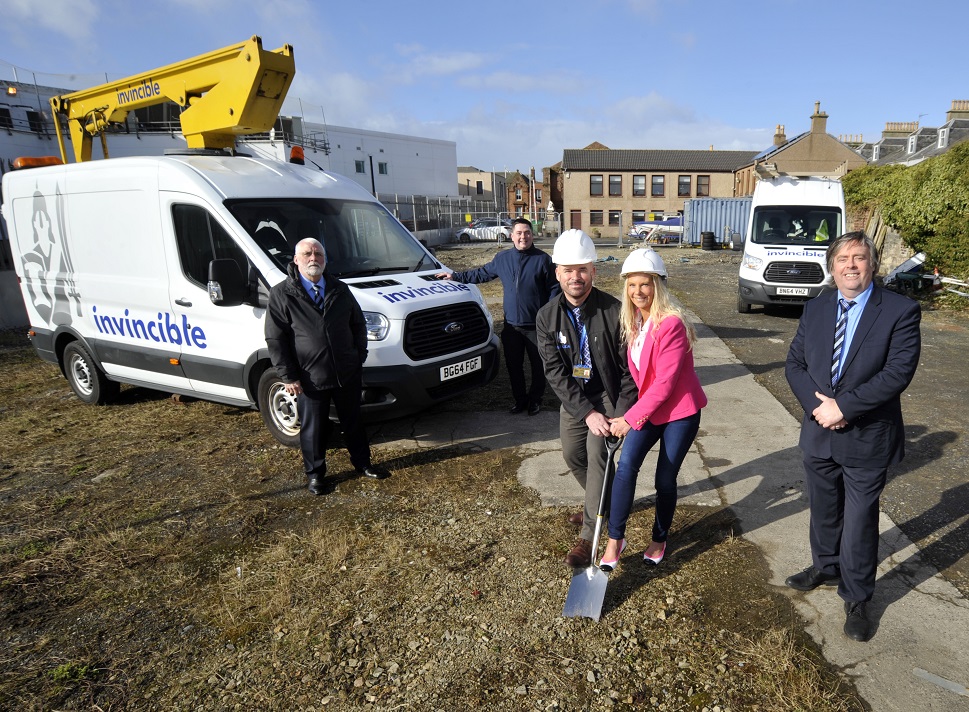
(156, 272)
(792, 220)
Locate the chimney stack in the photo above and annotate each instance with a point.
(959, 110)
(899, 129)
(819, 120)
(779, 138)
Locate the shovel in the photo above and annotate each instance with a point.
(588, 587)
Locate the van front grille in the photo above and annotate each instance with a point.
(444, 330)
(794, 273)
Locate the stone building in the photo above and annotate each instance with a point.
(606, 190)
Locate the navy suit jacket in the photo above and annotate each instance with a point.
(879, 365)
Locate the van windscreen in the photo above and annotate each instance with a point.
(796, 225)
(360, 238)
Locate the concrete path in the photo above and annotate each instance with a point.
(746, 456)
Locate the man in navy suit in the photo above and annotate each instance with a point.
(855, 351)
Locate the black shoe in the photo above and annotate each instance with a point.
(374, 472)
(517, 408)
(534, 408)
(810, 579)
(857, 625)
(317, 485)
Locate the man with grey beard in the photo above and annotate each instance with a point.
(317, 340)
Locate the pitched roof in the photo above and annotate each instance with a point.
(577, 159)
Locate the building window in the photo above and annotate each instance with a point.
(595, 185)
(684, 185)
(639, 215)
(479, 187)
(639, 186)
(875, 150)
(943, 137)
(912, 140)
(538, 195)
(519, 211)
(360, 166)
(659, 186)
(615, 186)
(614, 216)
(518, 193)
(702, 186)
(595, 217)
(35, 121)
(382, 168)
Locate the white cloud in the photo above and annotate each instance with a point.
(421, 63)
(515, 82)
(74, 19)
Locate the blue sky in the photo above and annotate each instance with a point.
(515, 83)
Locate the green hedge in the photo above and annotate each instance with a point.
(928, 204)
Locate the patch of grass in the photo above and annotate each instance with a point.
(71, 672)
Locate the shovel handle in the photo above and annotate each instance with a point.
(612, 445)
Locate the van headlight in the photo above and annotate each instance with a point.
(377, 326)
(751, 262)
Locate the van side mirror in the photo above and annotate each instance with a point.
(227, 287)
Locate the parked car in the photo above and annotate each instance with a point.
(485, 229)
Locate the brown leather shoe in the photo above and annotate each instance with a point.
(581, 555)
(576, 519)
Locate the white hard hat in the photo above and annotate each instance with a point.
(643, 260)
(573, 247)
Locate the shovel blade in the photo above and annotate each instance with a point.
(586, 594)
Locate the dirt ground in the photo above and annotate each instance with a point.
(166, 555)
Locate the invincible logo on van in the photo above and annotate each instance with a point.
(163, 329)
(419, 292)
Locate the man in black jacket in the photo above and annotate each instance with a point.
(585, 364)
(528, 281)
(317, 340)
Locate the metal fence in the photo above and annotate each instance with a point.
(419, 213)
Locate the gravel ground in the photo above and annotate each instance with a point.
(158, 555)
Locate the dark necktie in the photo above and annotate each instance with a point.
(839, 337)
(317, 297)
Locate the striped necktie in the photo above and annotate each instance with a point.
(583, 337)
(839, 338)
(317, 297)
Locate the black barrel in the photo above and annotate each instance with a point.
(708, 241)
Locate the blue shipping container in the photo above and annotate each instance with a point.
(721, 216)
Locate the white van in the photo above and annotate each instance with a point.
(792, 220)
(156, 272)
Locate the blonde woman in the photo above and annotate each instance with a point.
(660, 351)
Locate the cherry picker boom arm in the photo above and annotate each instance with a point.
(230, 92)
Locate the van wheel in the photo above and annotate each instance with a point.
(278, 409)
(87, 380)
(465, 237)
(742, 306)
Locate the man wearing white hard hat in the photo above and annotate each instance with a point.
(585, 364)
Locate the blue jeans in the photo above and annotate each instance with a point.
(675, 438)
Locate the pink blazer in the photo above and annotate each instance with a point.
(666, 378)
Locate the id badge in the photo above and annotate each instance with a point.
(582, 372)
